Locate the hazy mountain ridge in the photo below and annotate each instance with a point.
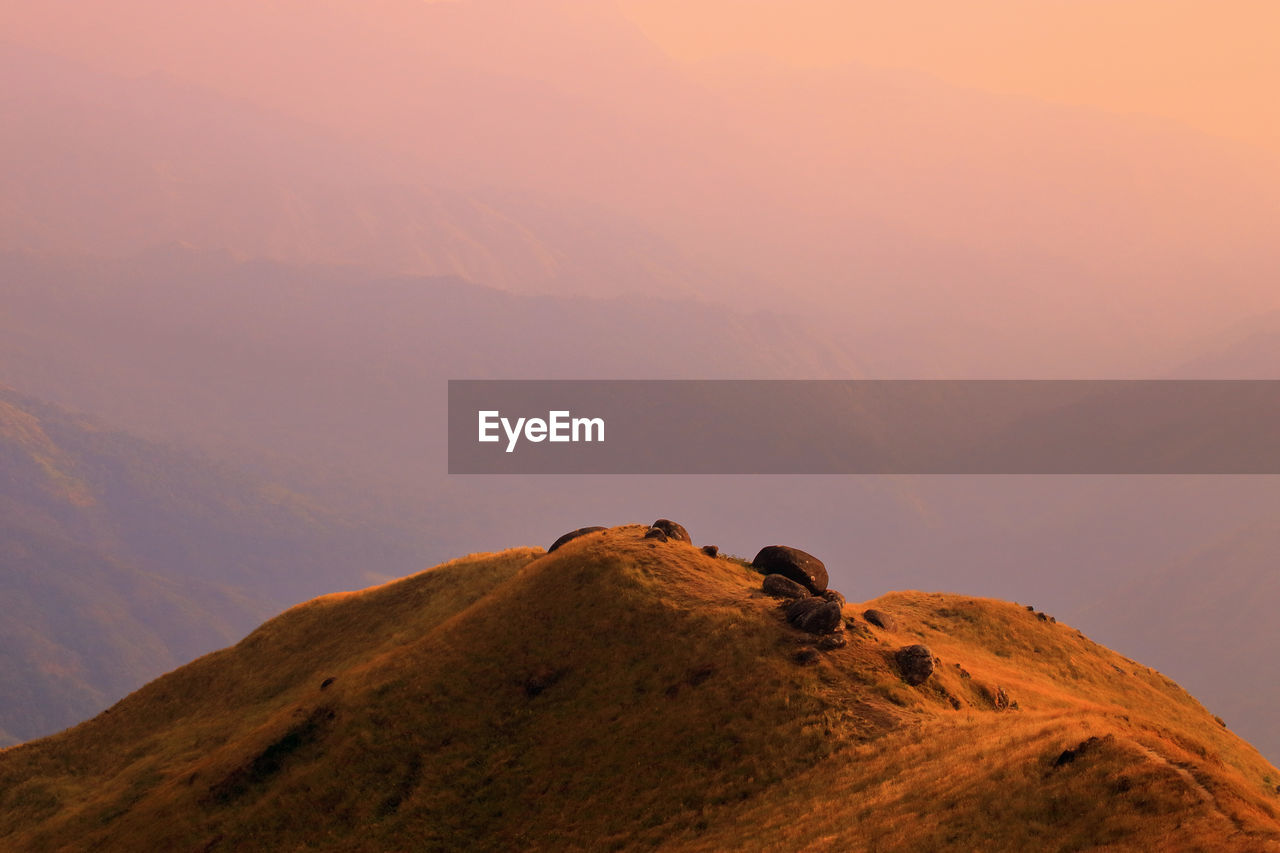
(1223, 597)
(220, 173)
(747, 184)
(341, 363)
(81, 628)
(123, 558)
(640, 693)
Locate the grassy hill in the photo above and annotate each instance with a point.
(622, 692)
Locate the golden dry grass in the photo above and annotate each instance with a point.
(624, 693)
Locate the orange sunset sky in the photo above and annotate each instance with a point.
(1213, 66)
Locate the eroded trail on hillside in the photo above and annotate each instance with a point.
(1197, 787)
(1187, 776)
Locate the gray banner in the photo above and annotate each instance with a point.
(864, 427)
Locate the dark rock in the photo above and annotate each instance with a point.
(801, 607)
(540, 680)
(674, 531)
(571, 535)
(783, 587)
(832, 641)
(832, 595)
(880, 619)
(806, 656)
(792, 563)
(324, 684)
(711, 550)
(915, 662)
(699, 674)
(814, 615)
(655, 533)
(1042, 617)
(1070, 755)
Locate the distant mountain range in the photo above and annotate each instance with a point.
(1222, 597)
(122, 558)
(220, 174)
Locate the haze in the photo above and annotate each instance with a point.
(1019, 171)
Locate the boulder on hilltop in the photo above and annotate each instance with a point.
(673, 530)
(571, 535)
(799, 566)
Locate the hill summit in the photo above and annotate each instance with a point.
(628, 689)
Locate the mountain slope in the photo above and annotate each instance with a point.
(81, 628)
(121, 559)
(1223, 596)
(625, 692)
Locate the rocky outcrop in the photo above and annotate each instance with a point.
(655, 533)
(675, 532)
(833, 595)
(711, 550)
(783, 587)
(915, 662)
(814, 615)
(801, 567)
(571, 535)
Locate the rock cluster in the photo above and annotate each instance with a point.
(797, 577)
(800, 580)
(814, 615)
